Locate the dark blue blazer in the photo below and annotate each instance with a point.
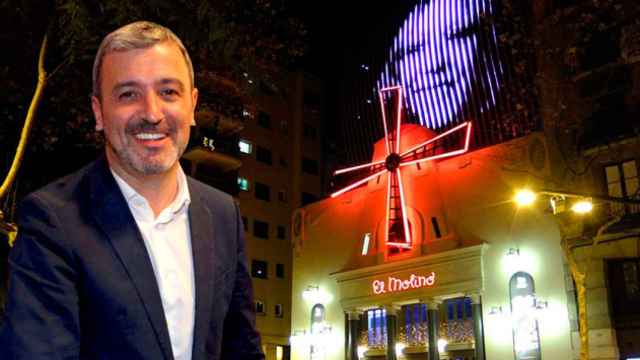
(82, 286)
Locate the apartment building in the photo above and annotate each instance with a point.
(593, 125)
(265, 150)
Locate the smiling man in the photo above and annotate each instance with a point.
(129, 258)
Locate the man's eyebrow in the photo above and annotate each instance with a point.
(175, 81)
(124, 84)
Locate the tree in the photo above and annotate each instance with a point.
(242, 42)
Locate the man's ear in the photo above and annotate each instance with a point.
(194, 98)
(97, 112)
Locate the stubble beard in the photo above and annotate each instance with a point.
(144, 161)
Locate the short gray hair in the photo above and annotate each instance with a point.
(137, 35)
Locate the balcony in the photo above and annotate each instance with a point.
(208, 117)
(214, 149)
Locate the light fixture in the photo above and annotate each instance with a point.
(310, 292)
(582, 206)
(558, 203)
(399, 348)
(313, 295)
(495, 310)
(442, 344)
(540, 304)
(524, 197)
(513, 252)
(361, 350)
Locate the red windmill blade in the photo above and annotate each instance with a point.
(398, 226)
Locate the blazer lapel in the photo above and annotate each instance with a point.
(202, 240)
(114, 217)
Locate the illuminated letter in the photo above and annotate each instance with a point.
(378, 287)
(395, 284)
(415, 281)
(431, 279)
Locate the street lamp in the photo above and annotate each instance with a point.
(582, 206)
(524, 197)
(582, 203)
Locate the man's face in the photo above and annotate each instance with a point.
(146, 108)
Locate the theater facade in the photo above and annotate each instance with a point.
(428, 257)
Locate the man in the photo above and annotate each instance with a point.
(128, 258)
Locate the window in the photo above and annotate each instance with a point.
(622, 181)
(278, 311)
(263, 192)
(246, 147)
(415, 324)
(624, 297)
(624, 277)
(259, 269)
(282, 196)
(458, 309)
(264, 120)
(526, 338)
(365, 243)
(377, 328)
(259, 306)
(318, 328)
(281, 232)
(245, 223)
(243, 183)
(309, 131)
(260, 229)
(263, 155)
(435, 227)
(308, 198)
(309, 166)
(280, 352)
(280, 271)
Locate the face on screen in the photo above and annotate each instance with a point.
(436, 57)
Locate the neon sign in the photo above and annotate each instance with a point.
(394, 284)
(398, 226)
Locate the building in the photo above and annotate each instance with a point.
(592, 100)
(475, 263)
(478, 273)
(266, 150)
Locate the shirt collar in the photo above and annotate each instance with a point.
(179, 203)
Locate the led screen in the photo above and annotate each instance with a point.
(457, 61)
(446, 61)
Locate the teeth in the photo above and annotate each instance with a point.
(149, 136)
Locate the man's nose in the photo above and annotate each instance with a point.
(153, 108)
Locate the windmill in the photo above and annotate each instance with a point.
(398, 226)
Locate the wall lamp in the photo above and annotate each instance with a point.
(314, 295)
(539, 304)
(582, 203)
(496, 310)
(513, 252)
(310, 292)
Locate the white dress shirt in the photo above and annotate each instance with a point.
(168, 242)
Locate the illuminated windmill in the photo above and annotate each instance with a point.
(398, 227)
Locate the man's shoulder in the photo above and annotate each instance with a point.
(64, 190)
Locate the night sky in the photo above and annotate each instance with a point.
(342, 36)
